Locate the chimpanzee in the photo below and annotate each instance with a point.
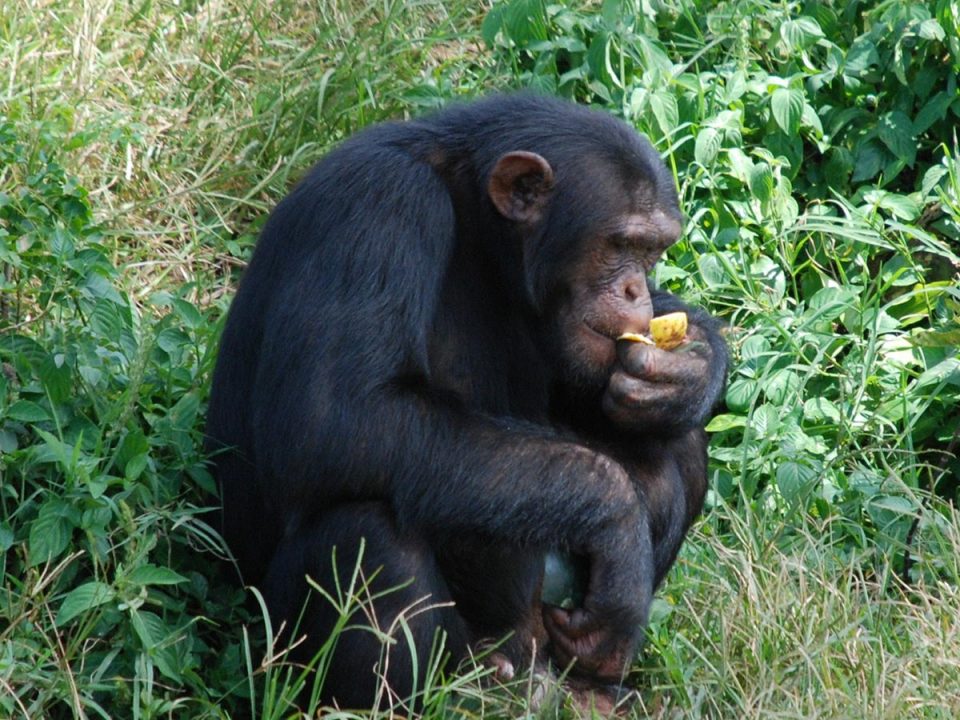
(423, 354)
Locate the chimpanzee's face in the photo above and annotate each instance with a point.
(595, 234)
(605, 292)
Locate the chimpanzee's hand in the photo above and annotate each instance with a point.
(584, 639)
(664, 390)
(600, 639)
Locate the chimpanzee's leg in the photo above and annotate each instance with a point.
(390, 559)
(497, 591)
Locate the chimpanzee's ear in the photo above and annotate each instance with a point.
(520, 185)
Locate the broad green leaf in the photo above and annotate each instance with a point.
(901, 206)
(829, 303)
(712, 271)
(755, 347)
(83, 598)
(611, 11)
(492, 24)
(765, 421)
(936, 338)
(155, 575)
(771, 277)
(869, 159)
(8, 441)
(49, 535)
(134, 444)
(525, 21)
(897, 133)
(188, 313)
(27, 411)
(781, 387)
(944, 371)
(760, 181)
(727, 421)
(665, 110)
(930, 29)
(819, 409)
(794, 480)
(159, 641)
(894, 503)
(935, 109)
(800, 33)
(135, 467)
(707, 146)
(786, 104)
(810, 119)
(6, 536)
(598, 58)
(736, 87)
(57, 378)
(860, 57)
(740, 394)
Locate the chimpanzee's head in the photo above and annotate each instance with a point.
(593, 220)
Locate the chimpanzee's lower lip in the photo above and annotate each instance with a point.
(605, 336)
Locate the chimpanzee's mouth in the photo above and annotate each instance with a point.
(600, 333)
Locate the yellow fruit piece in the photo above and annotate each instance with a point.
(669, 330)
(636, 337)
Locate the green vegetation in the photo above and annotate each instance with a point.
(816, 150)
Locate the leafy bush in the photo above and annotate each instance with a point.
(102, 468)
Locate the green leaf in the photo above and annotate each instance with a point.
(936, 108)
(159, 641)
(787, 107)
(49, 535)
(525, 21)
(794, 480)
(860, 57)
(897, 133)
(135, 467)
(665, 110)
(930, 29)
(800, 33)
(765, 421)
(611, 11)
(773, 282)
(188, 313)
(945, 371)
(27, 411)
(6, 536)
(740, 394)
(155, 575)
(820, 409)
(707, 146)
(598, 59)
(781, 386)
(936, 339)
(901, 206)
(829, 303)
(896, 504)
(492, 24)
(83, 598)
(869, 160)
(760, 181)
(727, 421)
(134, 444)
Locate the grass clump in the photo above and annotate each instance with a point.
(816, 153)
